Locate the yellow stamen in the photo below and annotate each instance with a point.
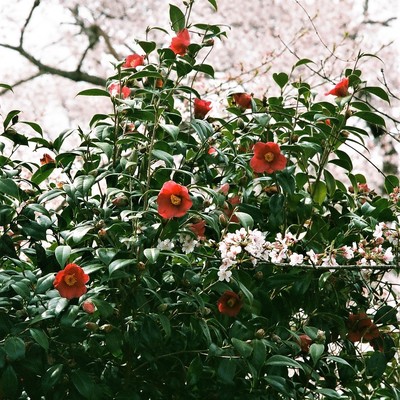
(70, 280)
(269, 156)
(231, 302)
(175, 200)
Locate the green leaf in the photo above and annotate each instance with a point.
(36, 127)
(283, 361)
(243, 348)
(22, 289)
(214, 4)
(51, 377)
(386, 315)
(148, 47)
(118, 264)
(194, 371)
(172, 130)
(376, 365)
(9, 187)
(9, 384)
(319, 192)
(177, 18)
(329, 393)
(83, 383)
(226, 370)
(9, 118)
(94, 92)
(259, 354)
(62, 254)
(281, 79)
(43, 173)
(330, 182)
(5, 86)
(15, 137)
(163, 155)
(40, 338)
(14, 348)
(303, 61)
(370, 117)
(146, 73)
(151, 254)
(245, 219)
(84, 183)
(205, 68)
(377, 91)
(391, 181)
(316, 351)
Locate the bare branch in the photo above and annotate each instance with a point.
(76, 76)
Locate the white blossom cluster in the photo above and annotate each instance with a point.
(251, 246)
(187, 243)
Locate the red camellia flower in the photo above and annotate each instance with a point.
(361, 328)
(70, 282)
(116, 90)
(267, 158)
(201, 108)
(341, 89)
(229, 303)
(47, 159)
(173, 200)
(242, 100)
(133, 61)
(180, 42)
(305, 342)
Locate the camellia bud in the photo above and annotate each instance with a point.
(260, 334)
(240, 123)
(106, 328)
(259, 275)
(209, 43)
(141, 266)
(162, 307)
(120, 201)
(320, 338)
(88, 306)
(276, 338)
(223, 220)
(91, 326)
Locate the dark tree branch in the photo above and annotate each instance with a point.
(76, 76)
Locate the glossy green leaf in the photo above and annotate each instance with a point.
(371, 117)
(62, 254)
(316, 351)
(42, 173)
(14, 348)
(40, 338)
(9, 187)
(281, 79)
(377, 91)
(283, 361)
(151, 254)
(177, 18)
(51, 377)
(94, 92)
(243, 348)
(319, 191)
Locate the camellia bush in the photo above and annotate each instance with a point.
(175, 253)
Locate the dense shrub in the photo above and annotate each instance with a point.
(177, 253)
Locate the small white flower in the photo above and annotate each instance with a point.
(166, 244)
(388, 256)
(296, 259)
(224, 275)
(312, 256)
